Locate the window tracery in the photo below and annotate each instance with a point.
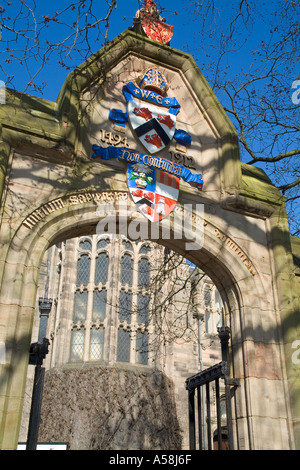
(101, 271)
(83, 269)
(90, 300)
(143, 273)
(213, 308)
(127, 270)
(113, 301)
(134, 304)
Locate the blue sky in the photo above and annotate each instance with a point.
(241, 56)
(176, 13)
(121, 19)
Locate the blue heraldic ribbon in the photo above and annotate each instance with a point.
(131, 156)
(117, 115)
(121, 118)
(131, 91)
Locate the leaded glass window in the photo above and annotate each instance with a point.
(208, 321)
(101, 272)
(85, 245)
(219, 320)
(141, 356)
(145, 250)
(96, 344)
(80, 306)
(126, 270)
(207, 296)
(219, 309)
(102, 243)
(99, 304)
(127, 245)
(144, 273)
(123, 351)
(125, 306)
(130, 318)
(218, 300)
(77, 345)
(134, 307)
(143, 309)
(83, 270)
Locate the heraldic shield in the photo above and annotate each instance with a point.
(155, 192)
(155, 127)
(152, 116)
(157, 30)
(153, 181)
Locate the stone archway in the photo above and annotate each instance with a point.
(234, 279)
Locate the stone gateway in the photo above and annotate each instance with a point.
(51, 190)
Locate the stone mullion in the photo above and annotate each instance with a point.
(155, 299)
(213, 310)
(56, 320)
(133, 322)
(116, 319)
(89, 307)
(149, 329)
(53, 293)
(113, 290)
(67, 296)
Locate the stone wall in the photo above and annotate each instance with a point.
(98, 408)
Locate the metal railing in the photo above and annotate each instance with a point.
(210, 411)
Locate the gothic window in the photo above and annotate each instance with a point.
(102, 243)
(110, 305)
(143, 309)
(213, 309)
(143, 303)
(127, 269)
(127, 245)
(92, 296)
(134, 304)
(207, 296)
(77, 346)
(145, 250)
(90, 300)
(96, 344)
(207, 306)
(85, 245)
(80, 306)
(141, 348)
(208, 322)
(144, 273)
(83, 270)
(125, 306)
(219, 309)
(99, 305)
(123, 352)
(101, 271)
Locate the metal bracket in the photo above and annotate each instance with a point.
(233, 382)
(38, 352)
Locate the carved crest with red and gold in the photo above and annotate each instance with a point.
(153, 25)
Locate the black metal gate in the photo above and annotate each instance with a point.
(209, 402)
